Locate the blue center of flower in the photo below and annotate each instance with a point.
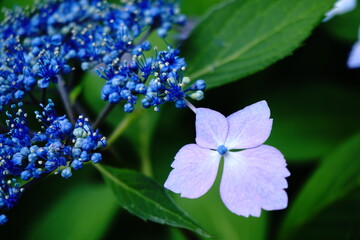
(222, 149)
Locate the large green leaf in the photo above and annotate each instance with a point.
(84, 212)
(336, 177)
(145, 198)
(245, 36)
(339, 220)
(191, 7)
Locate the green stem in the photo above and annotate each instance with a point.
(121, 127)
(146, 165)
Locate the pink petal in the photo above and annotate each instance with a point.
(249, 127)
(211, 128)
(254, 179)
(194, 172)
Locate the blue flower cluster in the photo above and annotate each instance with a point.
(164, 74)
(59, 147)
(55, 37)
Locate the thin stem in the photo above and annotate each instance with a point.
(121, 127)
(65, 99)
(192, 107)
(104, 113)
(146, 166)
(145, 141)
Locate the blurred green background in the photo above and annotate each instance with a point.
(315, 104)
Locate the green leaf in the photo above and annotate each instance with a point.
(339, 220)
(190, 7)
(176, 234)
(11, 4)
(307, 119)
(242, 37)
(336, 177)
(84, 212)
(145, 198)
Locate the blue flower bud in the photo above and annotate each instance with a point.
(17, 159)
(19, 94)
(88, 144)
(140, 88)
(25, 151)
(85, 66)
(180, 103)
(32, 157)
(114, 97)
(146, 46)
(131, 85)
(76, 152)
(3, 219)
(25, 175)
(200, 84)
(125, 94)
(128, 107)
(85, 156)
(50, 165)
(118, 80)
(96, 157)
(65, 126)
(76, 164)
(56, 39)
(66, 172)
(79, 132)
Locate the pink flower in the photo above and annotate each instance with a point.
(254, 174)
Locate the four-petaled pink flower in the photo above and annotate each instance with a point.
(253, 175)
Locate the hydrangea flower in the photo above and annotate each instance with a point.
(254, 174)
(340, 7)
